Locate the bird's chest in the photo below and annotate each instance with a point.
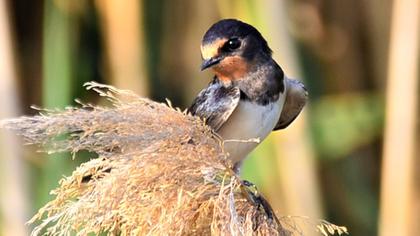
(249, 121)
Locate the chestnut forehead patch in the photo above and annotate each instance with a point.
(212, 49)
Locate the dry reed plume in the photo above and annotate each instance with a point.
(159, 172)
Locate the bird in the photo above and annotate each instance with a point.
(249, 96)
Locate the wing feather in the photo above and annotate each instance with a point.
(215, 104)
(296, 97)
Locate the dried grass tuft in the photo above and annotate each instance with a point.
(159, 172)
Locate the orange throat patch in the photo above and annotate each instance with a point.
(231, 68)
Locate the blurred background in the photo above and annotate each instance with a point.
(351, 158)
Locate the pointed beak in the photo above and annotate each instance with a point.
(210, 62)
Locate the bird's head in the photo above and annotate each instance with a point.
(232, 48)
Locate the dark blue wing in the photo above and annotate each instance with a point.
(215, 104)
(296, 97)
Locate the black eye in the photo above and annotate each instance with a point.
(232, 44)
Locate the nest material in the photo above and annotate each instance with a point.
(159, 172)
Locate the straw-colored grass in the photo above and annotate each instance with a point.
(159, 172)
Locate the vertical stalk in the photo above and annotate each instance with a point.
(56, 84)
(400, 121)
(13, 203)
(124, 39)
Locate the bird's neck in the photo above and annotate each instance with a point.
(263, 84)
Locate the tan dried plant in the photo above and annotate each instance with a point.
(159, 171)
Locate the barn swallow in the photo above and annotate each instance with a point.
(249, 96)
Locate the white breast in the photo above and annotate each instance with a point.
(249, 121)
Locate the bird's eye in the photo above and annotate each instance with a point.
(232, 44)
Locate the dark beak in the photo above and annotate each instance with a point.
(210, 62)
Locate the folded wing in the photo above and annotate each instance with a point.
(296, 97)
(215, 104)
